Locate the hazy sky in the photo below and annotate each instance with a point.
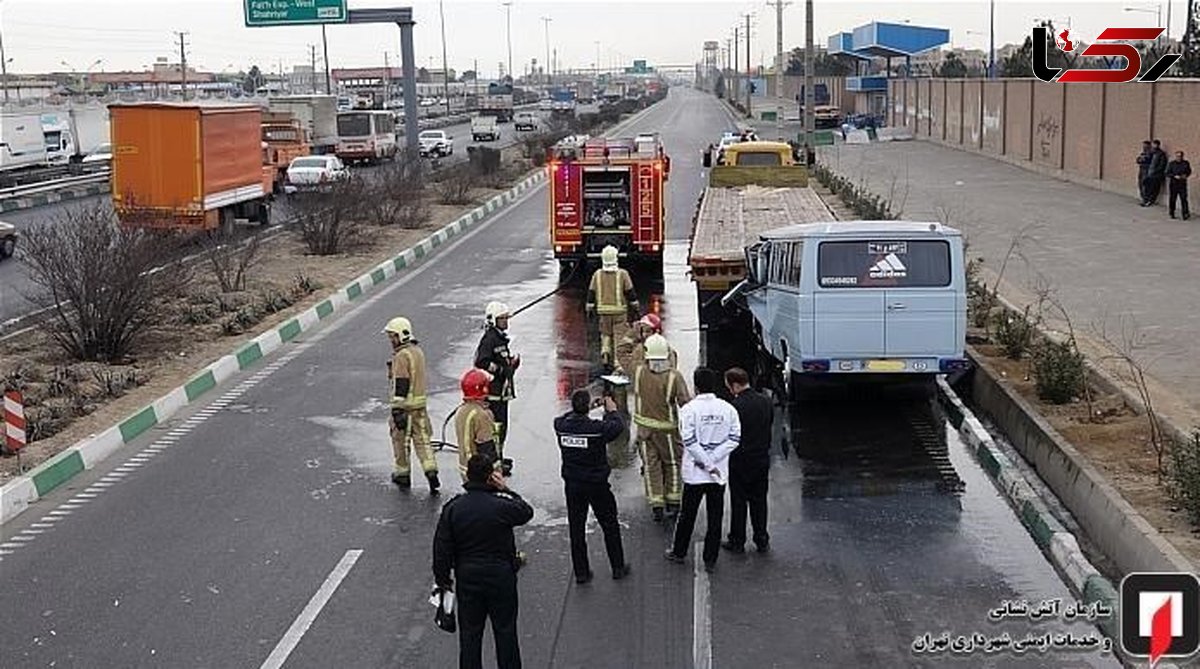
(40, 35)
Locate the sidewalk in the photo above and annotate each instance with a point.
(1105, 257)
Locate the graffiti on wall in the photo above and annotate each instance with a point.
(1046, 133)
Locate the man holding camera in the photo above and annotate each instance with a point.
(474, 539)
(583, 443)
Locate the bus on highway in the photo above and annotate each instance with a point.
(368, 135)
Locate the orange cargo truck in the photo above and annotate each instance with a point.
(188, 167)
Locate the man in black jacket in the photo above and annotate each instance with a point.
(1156, 174)
(1143, 163)
(750, 464)
(583, 442)
(494, 357)
(1178, 171)
(474, 538)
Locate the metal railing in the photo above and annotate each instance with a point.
(53, 185)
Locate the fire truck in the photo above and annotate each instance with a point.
(608, 191)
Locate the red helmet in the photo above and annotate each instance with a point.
(653, 322)
(475, 384)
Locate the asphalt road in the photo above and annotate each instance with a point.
(16, 288)
(203, 544)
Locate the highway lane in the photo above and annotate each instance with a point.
(207, 551)
(15, 287)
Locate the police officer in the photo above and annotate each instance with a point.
(658, 392)
(474, 539)
(473, 422)
(410, 420)
(494, 356)
(613, 300)
(583, 443)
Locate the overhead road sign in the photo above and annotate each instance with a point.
(294, 12)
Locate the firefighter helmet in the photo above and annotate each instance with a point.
(475, 384)
(653, 322)
(401, 327)
(657, 347)
(495, 311)
(608, 258)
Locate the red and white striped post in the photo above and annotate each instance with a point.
(14, 422)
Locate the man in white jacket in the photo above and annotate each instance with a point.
(710, 431)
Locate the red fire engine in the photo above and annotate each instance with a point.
(608, 191)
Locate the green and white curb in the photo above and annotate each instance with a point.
(19, 493)
(1046, 530)
(43, 199)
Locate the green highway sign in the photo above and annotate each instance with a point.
(294, 12)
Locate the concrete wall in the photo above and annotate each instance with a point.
(836, 85)
(1084, 132)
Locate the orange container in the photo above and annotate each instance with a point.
(184, 166)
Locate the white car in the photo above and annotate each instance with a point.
(546, 105)
(526, 121)
(435, 143)
(8, 240)
(314, 173)
(101, 156)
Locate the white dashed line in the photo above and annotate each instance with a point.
(10, 545)
(292, 637)
(32, 531)
(43, 525)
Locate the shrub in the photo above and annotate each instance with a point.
(1059, 372)
(456, 185)
(330, 223)
(1015, 333)
(1184, 476)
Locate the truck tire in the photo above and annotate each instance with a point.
(8, 247)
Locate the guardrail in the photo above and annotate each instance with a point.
(53, 185)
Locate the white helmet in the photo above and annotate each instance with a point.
(401, 327)
(608, 258)
(657, 347)
(494, 311)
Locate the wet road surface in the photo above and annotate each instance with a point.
(201, 544)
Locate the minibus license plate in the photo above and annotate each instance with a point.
(885, 365)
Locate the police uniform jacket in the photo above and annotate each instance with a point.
(583, 442)
(475, 533)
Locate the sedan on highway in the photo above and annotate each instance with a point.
(525, 121)
(8, 240)
(435, 143)
(314, 173)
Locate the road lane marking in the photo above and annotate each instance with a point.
(291, 638)
(701, 613)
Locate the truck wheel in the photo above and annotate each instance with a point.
(8, 247)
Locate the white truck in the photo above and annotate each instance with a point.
(316, 113)
(22, 142)
(485, 128)
(435, 143)
(71, 134)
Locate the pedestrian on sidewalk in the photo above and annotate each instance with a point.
(474, 538)
(1178, 171)
(1143, 162)
(711, 430)
(750, 464)
(583, 444)
(1156, 175)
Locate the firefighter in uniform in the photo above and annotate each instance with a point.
(494, 357)
(473, 422)
(410, 420)
(631, 351)
(612, 298)
(659, 391)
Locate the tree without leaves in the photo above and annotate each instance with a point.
(102, 284)
(398, 193)
(253, 80)
(230, 260)
(330, 222)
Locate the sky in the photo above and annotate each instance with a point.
(71, 35)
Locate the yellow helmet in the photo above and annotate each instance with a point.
(608, 258)
(494, 311)
(401, 327)
(657, 347)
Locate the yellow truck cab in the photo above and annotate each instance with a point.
(774, 154)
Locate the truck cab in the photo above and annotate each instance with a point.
(485, 128)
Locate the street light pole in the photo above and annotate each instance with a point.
(546, 66)
(445, 62)
(810, 96)
(508, 24)
(992, 40)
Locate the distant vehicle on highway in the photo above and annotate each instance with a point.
(100, 157)
(546, 105)
(8, 240)
(526, 121)
(435, 143)
(368, 135)
(485, 128)
(315, 173)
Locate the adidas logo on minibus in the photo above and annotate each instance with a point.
(888, 268)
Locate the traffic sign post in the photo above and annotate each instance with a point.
(294, 12)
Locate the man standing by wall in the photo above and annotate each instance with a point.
(474, 539)
(750, 464)
(1178, 171)
(583, 444)
(1156, 174)
(1143, 163)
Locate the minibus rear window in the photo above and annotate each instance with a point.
(884, 264)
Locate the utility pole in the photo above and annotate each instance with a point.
(597, 57)
(748, 71)
(182, 64)
(780, 66)
(312, 75)
(387, 78)
(508, 23)
(325, 48)
(991, 40)
(4, 66)
(546, 20)
(810, 95)
(735, 64)
(445, 62)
